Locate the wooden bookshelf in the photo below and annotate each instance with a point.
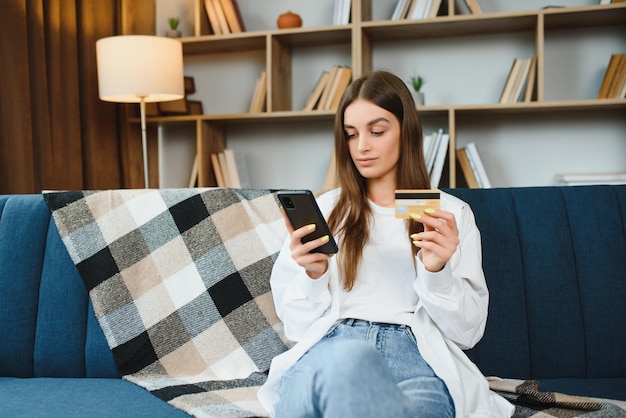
(361, 38)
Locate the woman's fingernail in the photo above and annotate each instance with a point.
(311, 227)
(325, 238)
(416, 242)
(416, 216)
(429, 211)
(413, 236)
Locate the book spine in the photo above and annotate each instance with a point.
(324, 99)
(344, 77)
(221, 17)
(316, 92)
(217, 169)
(618, 77)
(440, 161)
(474, 157)
(231, 16)
(532, 76)
(212, 15)
(608, 77)
(505, 97)
(466, 168)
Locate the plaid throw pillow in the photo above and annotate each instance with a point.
(179, 281)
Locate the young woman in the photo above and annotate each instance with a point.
(380, 326)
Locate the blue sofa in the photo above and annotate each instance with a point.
(554, 258)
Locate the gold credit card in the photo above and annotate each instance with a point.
(415, 201)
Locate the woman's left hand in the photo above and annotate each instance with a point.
(439, 240)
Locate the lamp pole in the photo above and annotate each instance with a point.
(144, 139)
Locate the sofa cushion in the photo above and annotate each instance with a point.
(554, 260)
(47, 326)
(80, 398)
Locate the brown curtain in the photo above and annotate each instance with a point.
(55, 133)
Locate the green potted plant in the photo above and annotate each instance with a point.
(173, 31)
(417, 82)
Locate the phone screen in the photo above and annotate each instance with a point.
(302, 209)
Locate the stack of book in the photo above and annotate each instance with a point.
(257, 104)
(472, 167)
(521, 76)
(614, 81)
(341, 15)
(585, 179)
(415, 9)
(435, 151)
(224, 16)
(230, 169)
(329, 88)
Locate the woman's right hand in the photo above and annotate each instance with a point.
(314, 263)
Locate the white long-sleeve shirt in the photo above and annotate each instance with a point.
(447, 310)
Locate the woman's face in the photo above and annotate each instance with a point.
(373, 136)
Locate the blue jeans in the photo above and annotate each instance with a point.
(363, 369)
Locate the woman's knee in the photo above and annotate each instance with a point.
(428, 397)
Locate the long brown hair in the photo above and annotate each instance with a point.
(351, 217)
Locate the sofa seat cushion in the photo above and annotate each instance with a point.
(80, 397)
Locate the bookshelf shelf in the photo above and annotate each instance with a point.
(216, 44)
(444, 26)
(313, 36)
(251, 41)
(272, 117)
(362, 44)
(587, 16)
(549, 106)
(571, 106)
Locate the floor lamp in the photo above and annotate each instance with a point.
(140, 69)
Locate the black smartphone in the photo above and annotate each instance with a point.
(302, 209)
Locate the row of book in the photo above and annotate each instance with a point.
(329, 88)
(341, 15)
(415, 9)
(435, 151)
(520, 83)
(586, 179)
(230, 169)
(224, 16)
(614, 82)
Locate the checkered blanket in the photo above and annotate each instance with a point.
(179, 281)
(530, 402)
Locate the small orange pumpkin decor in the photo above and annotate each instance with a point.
(289, 20)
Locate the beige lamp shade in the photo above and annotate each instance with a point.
(132, 67)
